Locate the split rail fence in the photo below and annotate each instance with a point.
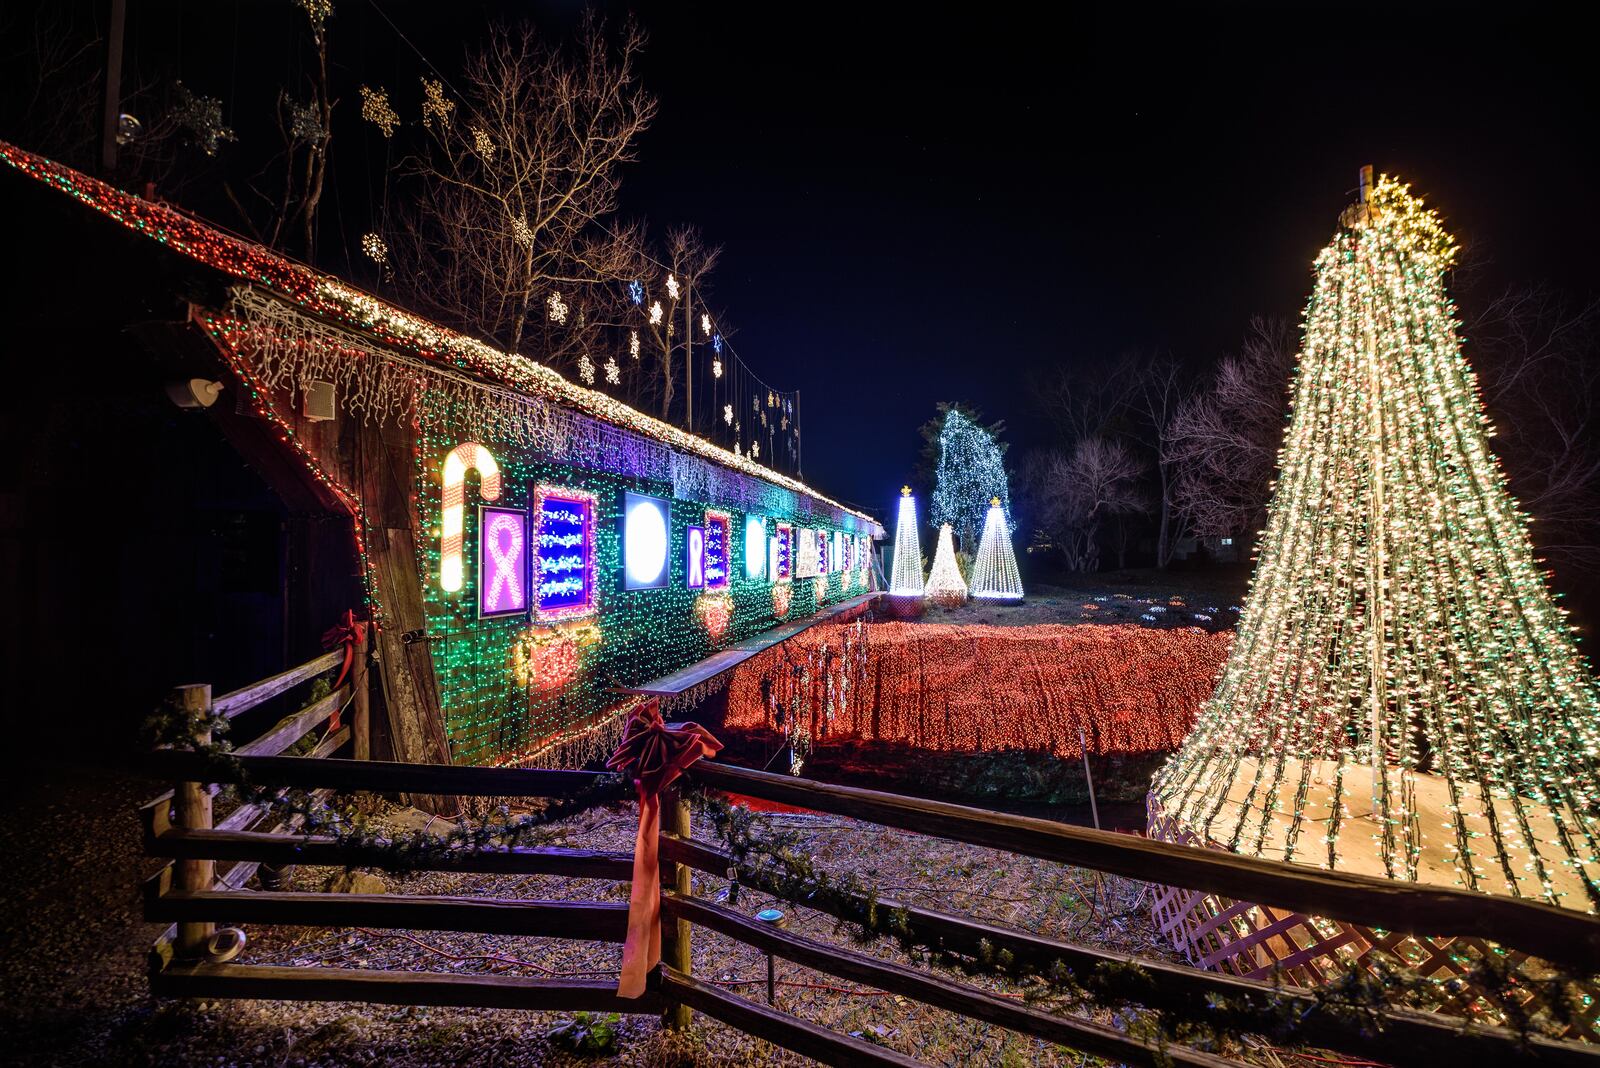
(179, 828)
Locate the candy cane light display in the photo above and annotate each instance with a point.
(469, 455)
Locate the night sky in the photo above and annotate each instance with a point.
(919, 207)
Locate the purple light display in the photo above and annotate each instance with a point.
(694, 546)
(502, 561)
(563, 563)
(719, 536)
(785, 561)
(822, 553)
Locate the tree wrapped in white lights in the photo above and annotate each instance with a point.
(945, 586)
(971, 471)
(1403, 697)
(905, 580)
(994, 572)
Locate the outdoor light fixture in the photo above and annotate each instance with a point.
(194, 392)
(646, 522)
(755, 546)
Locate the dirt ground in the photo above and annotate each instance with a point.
(73, 991)
(1159, 599)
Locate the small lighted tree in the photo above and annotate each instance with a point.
(945, 585)
(994, 573)
(905, 580)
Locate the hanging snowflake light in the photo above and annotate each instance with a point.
(672, 286)
(705, 324)
(636, 291)
(613, 371)
(558, 314)
(755, 450)
(716, 367)
(586, 369)
(482, 143)
(521, 232)
(727, 414)
(375, 248)
(633, 343)
(655, 313)
(376, 110)
(436, 107)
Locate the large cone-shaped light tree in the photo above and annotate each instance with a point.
(1403, 697)
(905, 580)
(994, 570)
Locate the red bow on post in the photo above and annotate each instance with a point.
(653, 753)
(350, 634)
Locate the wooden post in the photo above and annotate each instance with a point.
(361, 686)
(675, 948)
(192, 802)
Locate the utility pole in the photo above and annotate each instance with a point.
(688, 345)
(108, 137)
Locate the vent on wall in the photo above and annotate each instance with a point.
(319, 401)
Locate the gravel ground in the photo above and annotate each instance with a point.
(74, 990)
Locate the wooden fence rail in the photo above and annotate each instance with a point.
(1561, 935)
(180, 828)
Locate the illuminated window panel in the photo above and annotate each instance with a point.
(718, 555)
(564, 556)
(756, 549)
(694, 557)
(782, 569)
(646, 538)
(502, 561)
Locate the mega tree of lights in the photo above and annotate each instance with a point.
(994, 571)
(945, 585)
(1403, 698)
(906, 578)
(971, 471)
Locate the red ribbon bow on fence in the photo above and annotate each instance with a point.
(350, 634)
(653, 754)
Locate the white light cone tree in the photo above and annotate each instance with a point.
(945, 586)
(994, 571)
(905, 580)
(1403, 697)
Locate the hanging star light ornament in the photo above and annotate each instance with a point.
(727, 414)
(994, 571)
(905, 580)
(375, 109)
(633, 343)
(656, 313)
(613, 371)
(1403, 697)
(672, 286)
(375, 248)
(705, 324)
(945, 585)
(586, 369)
(716, 367)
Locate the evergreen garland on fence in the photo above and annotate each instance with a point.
(171, 726)
(778, 863)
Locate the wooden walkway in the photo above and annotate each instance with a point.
(688, 678)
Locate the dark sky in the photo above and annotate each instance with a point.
(920, 207)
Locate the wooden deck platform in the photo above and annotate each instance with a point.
(688, 678)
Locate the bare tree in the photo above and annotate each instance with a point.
(673, 333)
(1074, 493)
(1157, 391)
(1538, 361)
(1223, 442)
(508, 234)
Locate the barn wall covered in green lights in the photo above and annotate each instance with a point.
(528, 547)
